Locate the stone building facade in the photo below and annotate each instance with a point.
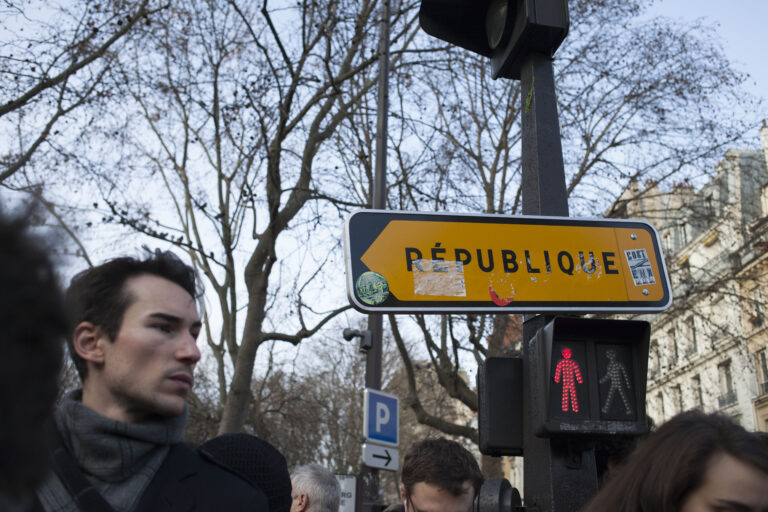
(710, 349)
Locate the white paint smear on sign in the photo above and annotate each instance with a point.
(437, 277)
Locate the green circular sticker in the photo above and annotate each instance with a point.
(372, 288)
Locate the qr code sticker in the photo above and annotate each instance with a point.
(640, 266)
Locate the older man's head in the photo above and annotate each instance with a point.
(314, 489)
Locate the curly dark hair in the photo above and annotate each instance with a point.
(34, 325)
(443, 463)
(97, 295)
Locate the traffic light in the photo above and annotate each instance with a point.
(504, 30)
(588, 376)
(500, 406)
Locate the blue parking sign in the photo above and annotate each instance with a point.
(380, 418)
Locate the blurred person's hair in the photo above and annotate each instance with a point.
(670, 464)
(98, 295)
(320, 485)
(442, 463)
(33, 325)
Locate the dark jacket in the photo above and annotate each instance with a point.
(189, 481)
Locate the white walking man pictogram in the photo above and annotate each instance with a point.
(617, 375)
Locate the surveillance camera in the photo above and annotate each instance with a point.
(350, 333)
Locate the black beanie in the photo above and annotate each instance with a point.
(258, 462)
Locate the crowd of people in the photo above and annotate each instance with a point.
(116, 443)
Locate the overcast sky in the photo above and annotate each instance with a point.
(743, 26)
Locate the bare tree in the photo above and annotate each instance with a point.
(218, 142)
(53, 60)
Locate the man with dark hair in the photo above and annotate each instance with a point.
(439, 476)
(135, 326)
(31, 340)
(99, 296)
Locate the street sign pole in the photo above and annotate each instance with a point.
(559, 475)
(369, 480)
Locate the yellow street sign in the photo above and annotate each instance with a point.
(430, 262)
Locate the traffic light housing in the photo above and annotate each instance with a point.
(504, 30)
(500, 406)
(588, 376)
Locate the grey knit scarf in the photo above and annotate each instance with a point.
(119, 459)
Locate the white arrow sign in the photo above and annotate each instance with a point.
(381, 457)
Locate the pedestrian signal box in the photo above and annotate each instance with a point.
(500, 406)
(588, 376)
(507, 31)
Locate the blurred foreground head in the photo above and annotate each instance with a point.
(257, 461)
(694, 462)
(33, 329)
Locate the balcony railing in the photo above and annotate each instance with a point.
(727, 399)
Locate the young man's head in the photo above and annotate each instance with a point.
(439, 476)
(134, 339)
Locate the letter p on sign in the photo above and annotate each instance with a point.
(380, 417)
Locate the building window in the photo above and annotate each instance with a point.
(763, 363)
(692, 342)
(660, 404)
(673, 355)
(654, 356)
(696, 392)
(756, 315)
(709, 209)
(727, 393)
(677, 398)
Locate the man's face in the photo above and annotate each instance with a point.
(147, 369)
(425, 497)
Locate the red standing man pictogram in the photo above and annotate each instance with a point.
(569, 371)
